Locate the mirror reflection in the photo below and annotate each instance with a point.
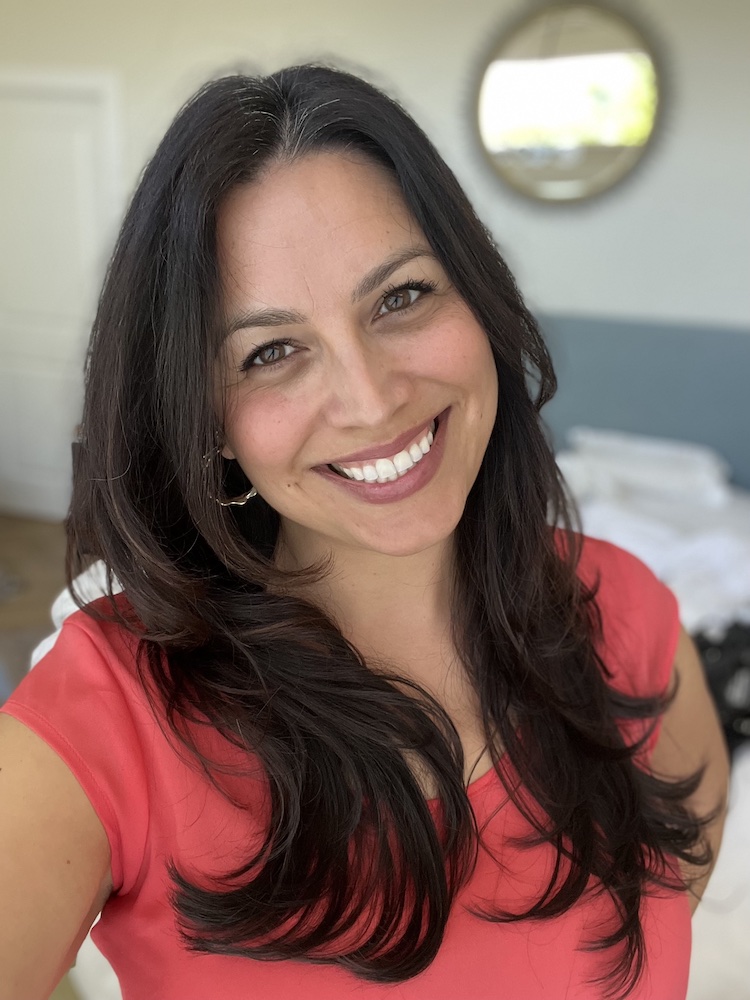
(568, 102)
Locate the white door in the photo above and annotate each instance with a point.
(59, 202)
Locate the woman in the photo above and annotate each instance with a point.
(359, 712)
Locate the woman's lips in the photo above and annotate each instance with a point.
(375, 452)
(413, 481)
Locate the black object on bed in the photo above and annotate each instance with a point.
(727, 666)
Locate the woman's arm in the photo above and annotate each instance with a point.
(692, 737)
(54, 865)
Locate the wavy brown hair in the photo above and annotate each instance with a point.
(354, 870)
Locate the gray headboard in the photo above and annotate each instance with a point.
(691, 383)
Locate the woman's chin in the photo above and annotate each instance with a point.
(409, 542)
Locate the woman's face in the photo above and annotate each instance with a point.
(346, 344)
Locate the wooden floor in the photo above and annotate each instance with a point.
(31, 576)
(31, 552)
(64, 991)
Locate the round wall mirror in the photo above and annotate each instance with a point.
(568, 102)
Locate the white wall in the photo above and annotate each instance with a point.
(672, 244)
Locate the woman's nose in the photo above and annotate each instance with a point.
(366, 388)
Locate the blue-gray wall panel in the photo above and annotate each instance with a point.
(691, 383)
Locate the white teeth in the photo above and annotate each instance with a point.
(387, 470)
(403, 462)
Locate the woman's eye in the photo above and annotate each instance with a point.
(268, 355)
(398, 299)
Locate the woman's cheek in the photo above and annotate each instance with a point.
(462, 353)
(271, 437)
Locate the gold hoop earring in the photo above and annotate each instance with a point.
(239, 501)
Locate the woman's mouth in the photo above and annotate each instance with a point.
(388, 470)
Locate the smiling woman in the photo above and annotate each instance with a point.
(360, 715)
(371, 344)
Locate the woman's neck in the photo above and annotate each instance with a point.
(389, 607)
(397, 612)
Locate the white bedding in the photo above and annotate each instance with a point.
(673, 506)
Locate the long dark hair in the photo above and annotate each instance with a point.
(354, 869)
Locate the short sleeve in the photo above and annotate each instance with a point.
(83, 699)
(640, 625)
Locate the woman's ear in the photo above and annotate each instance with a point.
(226, 452)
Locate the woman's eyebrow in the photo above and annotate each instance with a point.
(383, 271)
(264, 317)
(368, 284)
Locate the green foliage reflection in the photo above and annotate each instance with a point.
(606, 99)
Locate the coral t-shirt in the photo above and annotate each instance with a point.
(84, 699)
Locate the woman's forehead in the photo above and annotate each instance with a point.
(327, 217)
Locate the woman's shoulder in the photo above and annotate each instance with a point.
(95, 606)
(638, 613)
(83, 698)
(88, 699)
(600, 561)
(91, 655)
(623, 583)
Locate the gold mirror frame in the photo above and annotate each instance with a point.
(568, 101)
